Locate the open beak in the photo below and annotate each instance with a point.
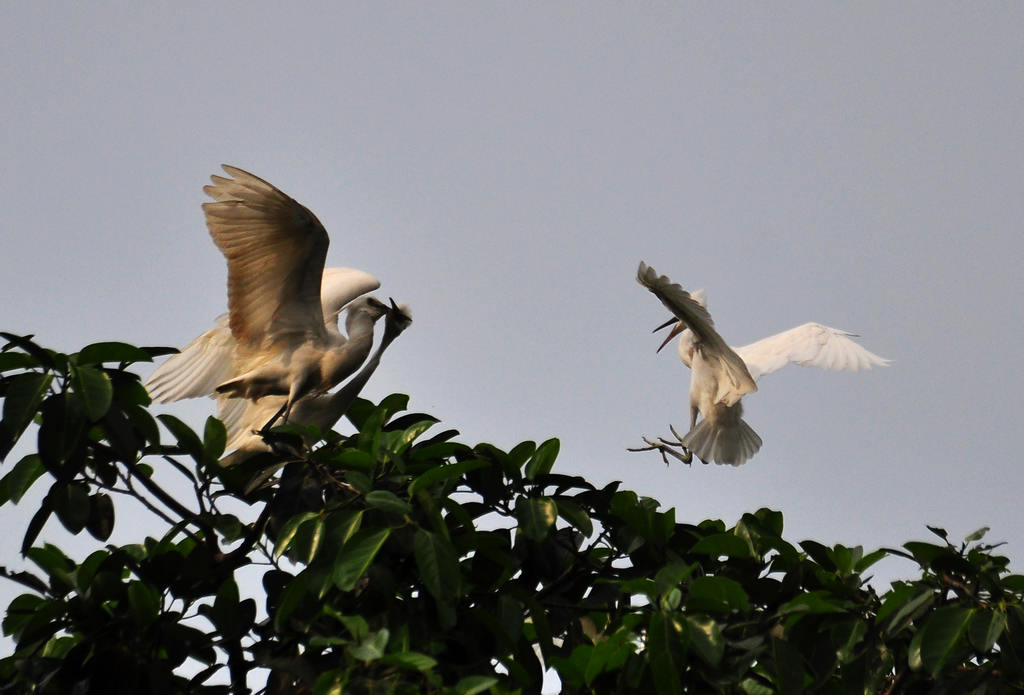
(676, 330)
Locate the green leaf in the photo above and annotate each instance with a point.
(814, 602)
(19, 479)
(575, 515)
(788, 667)
(100, 523)
(293, 594)
(410, 660)
(371, 648)
(909, 610)
(10, 361)
(289, 530)
(187, 439)
(145, 603)
(387, 501)
(707, 639)
(942, 634)
(214, 438)
(98, 353)
(44, 357)
(444, 472)
(93, 389)
(665, 651)
(722, 545)
(71, 502)
(536, 516)
(355, 556)
(542, 460)
(438, 564)
(977, 535)
(471, 685)
(986, 627)
(712, 594)
(24, 394)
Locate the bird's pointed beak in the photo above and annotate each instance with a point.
(676, 330)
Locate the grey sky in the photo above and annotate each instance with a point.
(503, 168)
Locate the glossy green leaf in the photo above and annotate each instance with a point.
(372, 647)
(710, 594)
(442, 473)
(543, 459)
(977, 535)
(100, 522)
(99, 353)
(19, 479)
(72, 505)
(814, 602)
(215, 436)
(575, 515)
(706, 638)
(722, 545)
(409, 660)
(187, 439)
(387, 501)
(943, 632)
(287, 533)
(985, 628)
(356, 555)
(93, 389)
(664, 652)
(25, 392)
(145, 603)
(536, 515)
(438, 564)
(471, 685)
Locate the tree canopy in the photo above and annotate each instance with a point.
(396, 559)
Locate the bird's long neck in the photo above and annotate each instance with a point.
(341, 400)
(358, 323)
(339, 363)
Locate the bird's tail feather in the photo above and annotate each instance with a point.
(730, 442)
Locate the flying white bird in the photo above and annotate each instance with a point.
(275, 249)
(722, 375)
(243, 417)
(209, 360)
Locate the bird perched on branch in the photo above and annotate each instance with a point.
(242, 417)
(722, 375)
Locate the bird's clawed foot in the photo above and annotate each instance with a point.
(667, 448)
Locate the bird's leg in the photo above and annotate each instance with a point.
(283, 410)
(666, 448)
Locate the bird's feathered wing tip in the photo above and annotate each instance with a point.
(730, 443)
(677, 300)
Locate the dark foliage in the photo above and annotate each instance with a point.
(393, 561)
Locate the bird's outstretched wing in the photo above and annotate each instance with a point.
(685, 308)
(275, 250)
(809, 345)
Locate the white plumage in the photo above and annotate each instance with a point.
(722, 375)
(209, 360)
(242, 417)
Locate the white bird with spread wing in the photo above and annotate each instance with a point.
(209, 360)
(722, 375)
(283, 342)
(242, 417)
